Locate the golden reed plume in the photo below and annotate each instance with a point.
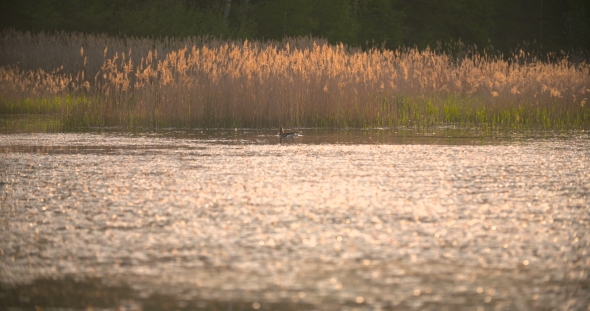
(299, 81)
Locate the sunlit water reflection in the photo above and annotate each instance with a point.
(306, 224)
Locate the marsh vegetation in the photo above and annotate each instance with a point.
(86, 81)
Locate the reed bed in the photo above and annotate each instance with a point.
(203, 82)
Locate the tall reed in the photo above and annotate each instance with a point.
(96, 80)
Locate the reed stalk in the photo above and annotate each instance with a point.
(202, 82)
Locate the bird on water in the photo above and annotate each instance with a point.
(283, 134)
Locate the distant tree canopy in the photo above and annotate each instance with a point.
(505, 24)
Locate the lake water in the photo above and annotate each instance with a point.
(239, 220)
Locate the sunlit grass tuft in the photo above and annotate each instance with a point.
(90, 81)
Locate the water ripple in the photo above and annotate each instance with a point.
(334, 226)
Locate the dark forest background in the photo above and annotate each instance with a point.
(546, 25)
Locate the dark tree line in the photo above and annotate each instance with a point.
(505, 24)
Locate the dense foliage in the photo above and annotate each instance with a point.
(505, 24)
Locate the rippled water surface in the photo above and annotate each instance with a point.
(321, 222)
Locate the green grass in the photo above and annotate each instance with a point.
(77, 112)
